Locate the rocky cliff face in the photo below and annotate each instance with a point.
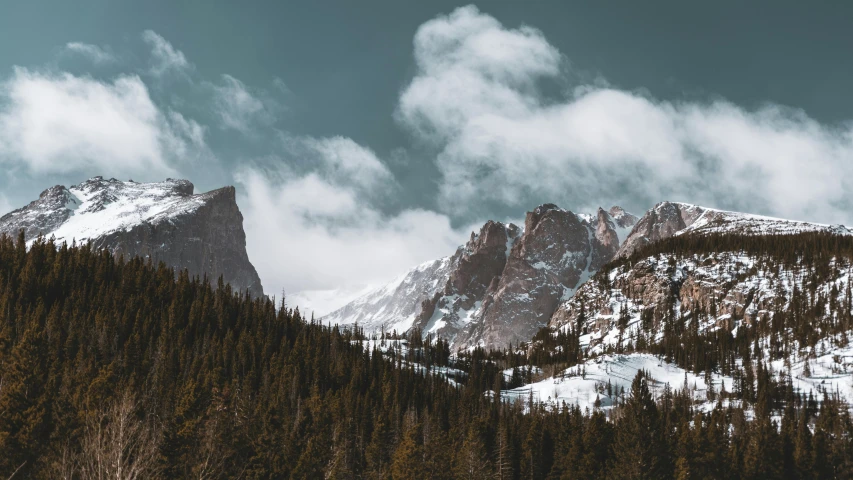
(480, 262)
(662, 221)
(730, 286)
(163, 221)
(502, 285)
(556, 253)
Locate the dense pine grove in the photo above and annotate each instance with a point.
(123, 369)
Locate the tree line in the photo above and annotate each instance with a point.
(119, 368)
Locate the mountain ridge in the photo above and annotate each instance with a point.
(164, 221)
(488, 291)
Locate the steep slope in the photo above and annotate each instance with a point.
(163, 221)
(719, 294)
(558, 251)
(502, 285)
(481, 262)
(395, 306)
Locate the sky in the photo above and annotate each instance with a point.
(367, 137)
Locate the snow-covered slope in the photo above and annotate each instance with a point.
(671, 218)
(799, 310)
(584, 384)
(164, 221)
(394, 306)
(607, 378)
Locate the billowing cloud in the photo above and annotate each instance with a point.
(314, 226)
(93, 52)
(164, 57)
(237, 108)
(61, 123)
(342, 161)
(311, 232)
(477, 96)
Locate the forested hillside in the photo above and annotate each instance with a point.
(119, 369)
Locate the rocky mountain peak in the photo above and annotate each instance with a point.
(164, 221)
(622, 218)
(478, 266)
(556, 253)
(662, 221)
(504, 283)
(670, 218)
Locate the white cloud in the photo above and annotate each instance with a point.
(237, 108)
(164, 57)
(475, 95)
(320, 219)
(93, 52)
(61, 123)
(342, 161)
(311, 233)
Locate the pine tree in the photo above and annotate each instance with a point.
(639, 451)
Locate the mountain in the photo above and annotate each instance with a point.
(502, 285)
(717, 291)
(670, 218)
(396, 305)
(478, 265)
(163, 221)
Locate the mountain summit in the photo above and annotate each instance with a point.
(164, 221)
(502, 285)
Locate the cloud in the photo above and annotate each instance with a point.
(342, 162)
(93, 52)
(164, 57)
(5, 206)
(310, 232)
(477, 96)
(237, 108)
(61, 123)
(315, 225)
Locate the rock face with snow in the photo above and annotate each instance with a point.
(726, 283)
(662, 221)
(557, 252)
(670, 218)
(395, 306)
(162, 221)
(502, 285)
(481, 262)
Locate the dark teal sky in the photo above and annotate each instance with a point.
(345, 62)
(728, 81)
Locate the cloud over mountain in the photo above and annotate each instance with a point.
(478, 95)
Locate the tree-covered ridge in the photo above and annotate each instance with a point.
(787, 248)
(123, 370)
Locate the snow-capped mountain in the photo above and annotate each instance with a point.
(394, 307)
(479, 265)
(792, 300)
(501, 286)
(556, 253)
(163, 221)
(671, 218)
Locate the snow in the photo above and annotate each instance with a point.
(582, 384)
(739, 282)
(99, 207)
(395, 305)
(721, 221)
